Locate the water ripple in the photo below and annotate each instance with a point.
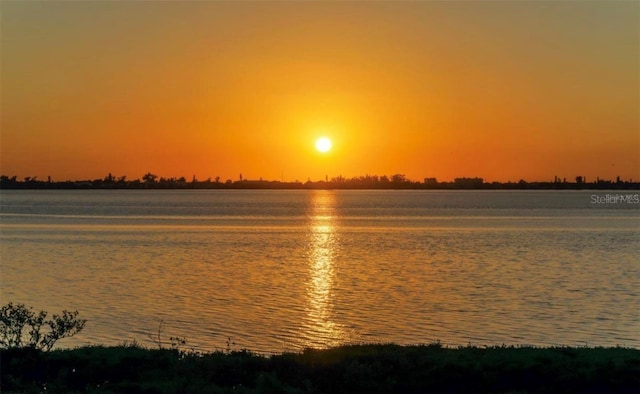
(324, 270)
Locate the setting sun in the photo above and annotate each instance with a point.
(323, 144)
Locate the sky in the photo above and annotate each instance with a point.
(503, 90)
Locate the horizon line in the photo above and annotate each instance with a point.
(393, 178)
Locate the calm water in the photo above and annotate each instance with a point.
(284, 270)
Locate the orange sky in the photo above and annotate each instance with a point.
(500, 90)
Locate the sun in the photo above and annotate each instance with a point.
(323, 144)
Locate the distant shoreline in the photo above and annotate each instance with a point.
(361, 183)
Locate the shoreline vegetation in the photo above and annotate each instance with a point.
(396, 181)
(29, 365)
(366, 368)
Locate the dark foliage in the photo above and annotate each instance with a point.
(22, 327)
(348, 369)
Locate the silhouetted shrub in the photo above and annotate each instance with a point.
(21, 327)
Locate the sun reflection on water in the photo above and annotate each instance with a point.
(321, 330)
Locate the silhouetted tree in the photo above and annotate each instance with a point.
(149, 177)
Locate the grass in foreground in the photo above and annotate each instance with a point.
(346, 369)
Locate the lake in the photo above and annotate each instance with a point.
(284, 270)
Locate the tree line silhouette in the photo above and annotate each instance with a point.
(395, 181)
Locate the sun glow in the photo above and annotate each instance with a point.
(323, 144)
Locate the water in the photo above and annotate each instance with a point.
(284, 270)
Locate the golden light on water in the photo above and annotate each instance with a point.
(323, 243)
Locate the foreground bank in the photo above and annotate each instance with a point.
(359, 368)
